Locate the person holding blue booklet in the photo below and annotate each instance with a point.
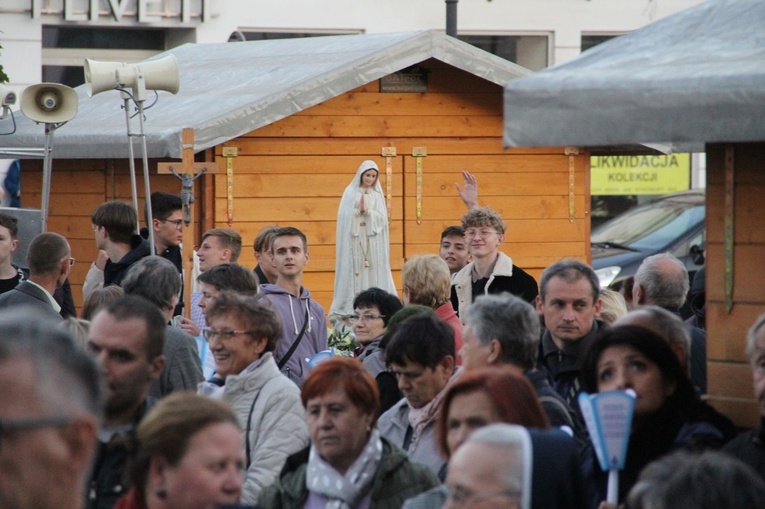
(668, 414)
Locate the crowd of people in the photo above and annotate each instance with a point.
(462, 393)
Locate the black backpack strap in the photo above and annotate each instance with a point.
(283, 360)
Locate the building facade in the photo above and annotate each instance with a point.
(49, 39)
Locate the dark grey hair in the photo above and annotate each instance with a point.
(66, 377)
(155, 279)
(511, 321)
(570, 270)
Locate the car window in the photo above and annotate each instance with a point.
(651, 225)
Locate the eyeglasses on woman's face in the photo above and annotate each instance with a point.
(223, 334)
(364, 318)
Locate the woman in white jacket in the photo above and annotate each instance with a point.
(243, 332)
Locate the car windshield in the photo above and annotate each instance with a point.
(651, 225)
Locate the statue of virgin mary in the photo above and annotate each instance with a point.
(363, 246)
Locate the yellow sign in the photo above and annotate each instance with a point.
(629, 174)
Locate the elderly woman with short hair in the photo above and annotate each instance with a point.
(348, 465)
(428, 282)
(243, 332)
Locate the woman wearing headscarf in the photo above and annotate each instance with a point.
(363, 245)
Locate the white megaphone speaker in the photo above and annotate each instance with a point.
(101, 76)
(7, 99)
(160, 74)
(49, 103)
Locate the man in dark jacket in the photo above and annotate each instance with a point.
(662, 280)
(569, 302)
(115, 225)
(503, 330)
(156, 280)
(490, 272)
(49, 265)
(127, 338)
(167, 223)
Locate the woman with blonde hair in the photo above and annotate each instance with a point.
(428, 282)
(612, 306)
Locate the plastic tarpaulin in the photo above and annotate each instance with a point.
(695, 77)
(229, 89)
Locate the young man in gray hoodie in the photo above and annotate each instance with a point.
(292, 302)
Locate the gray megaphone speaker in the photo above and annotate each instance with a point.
(101, 76)
(49, 103)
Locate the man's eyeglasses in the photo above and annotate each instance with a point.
(9, 426)
(178, 223)
(462, 499)
(223, 334)
(364, 318)
(483, 233)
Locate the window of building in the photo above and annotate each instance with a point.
(590, 41)
(529, 51)
(259, 35)
(65, 48)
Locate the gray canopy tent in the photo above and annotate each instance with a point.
(229, 89)
(697, 76)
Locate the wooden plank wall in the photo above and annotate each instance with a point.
(78, 186)
(293, 172)
(730, 379)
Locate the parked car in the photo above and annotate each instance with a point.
(673, 223)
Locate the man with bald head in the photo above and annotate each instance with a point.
(664, 324)
(49, 260)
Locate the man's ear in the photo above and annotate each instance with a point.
(14, 245)
(495, 351)
(448, 364)
(156, 366)
(538, 303)
(227, 255)
(638, 295)
(155, 224)
(81, 437)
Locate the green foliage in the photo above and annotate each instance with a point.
(3, 76)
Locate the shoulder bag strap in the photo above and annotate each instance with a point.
(283, 361)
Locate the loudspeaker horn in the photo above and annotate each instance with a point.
(49, 103)
(160, 74)
(7, 96)
(101, 76)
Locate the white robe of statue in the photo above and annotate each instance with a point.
(363, 245)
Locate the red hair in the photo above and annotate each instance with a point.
(514, 398)
(351, 376)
